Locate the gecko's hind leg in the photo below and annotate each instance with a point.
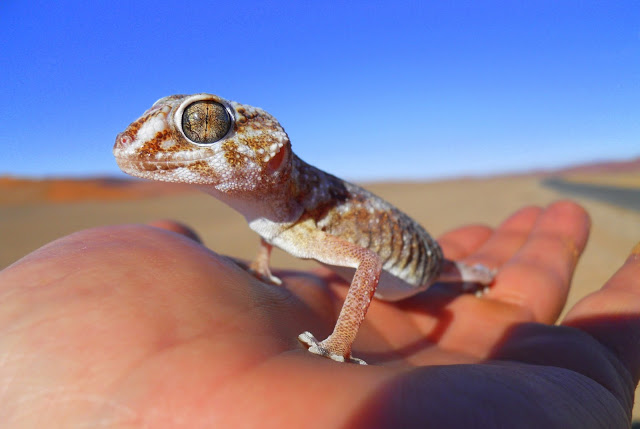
(475, 278)
(260, 265)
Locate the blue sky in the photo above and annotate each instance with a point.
(366, 90)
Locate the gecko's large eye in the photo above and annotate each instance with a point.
(205, 121)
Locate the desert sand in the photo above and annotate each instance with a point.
(31, 215)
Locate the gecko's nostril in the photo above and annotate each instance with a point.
(125, 138)
(122, 140)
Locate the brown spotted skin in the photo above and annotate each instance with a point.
(356, 215)
(289, 203)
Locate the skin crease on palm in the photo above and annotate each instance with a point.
(142, 326)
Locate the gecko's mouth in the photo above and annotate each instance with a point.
(129, 166)
(137, 164)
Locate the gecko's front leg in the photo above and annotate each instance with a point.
(336, 251)
(260, 265)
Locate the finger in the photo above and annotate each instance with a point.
(539, 274)
(612, 314)
(481, 323)
(460, 242)
(507, 239)
(178, 227)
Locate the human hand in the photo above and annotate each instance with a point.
(137, 326)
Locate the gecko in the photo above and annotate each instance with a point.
(242, 156)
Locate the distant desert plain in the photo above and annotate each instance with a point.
(35, 212)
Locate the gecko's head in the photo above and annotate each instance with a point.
(204, 139)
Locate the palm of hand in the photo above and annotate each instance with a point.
(134, 325)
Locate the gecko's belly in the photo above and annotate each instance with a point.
(390, 287)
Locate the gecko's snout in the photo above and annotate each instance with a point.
(123, 140)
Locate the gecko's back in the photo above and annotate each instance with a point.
(410, 256)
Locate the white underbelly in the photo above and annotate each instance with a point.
(390, 287)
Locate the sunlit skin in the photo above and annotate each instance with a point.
(142, 326)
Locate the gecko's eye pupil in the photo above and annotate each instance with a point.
(205, 121)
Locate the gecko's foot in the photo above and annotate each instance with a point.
(477, 273)
(477, 279)
(314, 346)
(267, 278)
(479, 290)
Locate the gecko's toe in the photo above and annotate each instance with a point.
(479, 290)
(314, 346)
(272, 279)
(479, 273)
(267, 278)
